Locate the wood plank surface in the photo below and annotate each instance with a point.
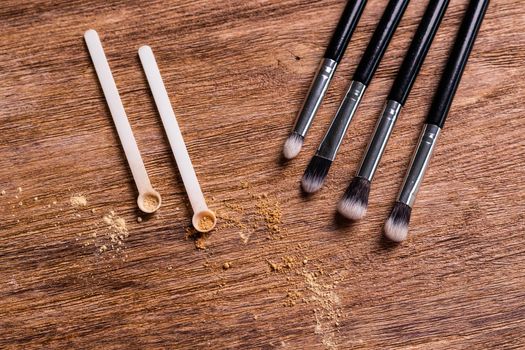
(281, 271)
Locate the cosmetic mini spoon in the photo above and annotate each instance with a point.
(148, 200)
(204, 219)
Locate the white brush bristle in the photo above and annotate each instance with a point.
(396, 231)
(351, 209)
(311, 184)
(292, 146)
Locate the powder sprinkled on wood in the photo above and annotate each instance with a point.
(198, 237)
(270, 210)
(78, 201)
(3, 193)
(226, 266)
(139, 219)
(118, 231)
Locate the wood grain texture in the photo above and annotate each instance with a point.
(237, 72)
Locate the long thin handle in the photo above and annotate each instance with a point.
(456, 62)
(191, 183)
(418, 50)
(345, 28)
(380, 39)
(117, 111)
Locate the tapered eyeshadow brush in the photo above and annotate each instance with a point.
(396, 227)
(354, 203)
(332, 57)
(318, 167)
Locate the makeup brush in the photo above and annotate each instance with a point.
(396, 227)
(336, 48)
(354, 203)
(318, 167)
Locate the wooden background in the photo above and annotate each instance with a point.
(300, 277)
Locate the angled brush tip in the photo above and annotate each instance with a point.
(293, 146)
(354, 203)
(315, 174)
(396, 227)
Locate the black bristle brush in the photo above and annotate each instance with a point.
(318, 167)
(354, 203)
(333, 55)
(396, 227)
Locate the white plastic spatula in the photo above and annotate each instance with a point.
(148, 200)
(203, 219)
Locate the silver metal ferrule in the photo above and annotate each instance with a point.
(419, 164)
(337, 130)
(315, 96)
(378, 142)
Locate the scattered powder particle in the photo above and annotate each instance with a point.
(205, 223)
(103, 248)
(20, 203)
(170, 268)
(200, 243)
(270, 210)
(198, 237)
(78, 201)
(244, 184)
(54, 202)
(117, 225)
(19, 189)
(36, 198)
(226, 266)
(139, 219)
(150, 202)
(93, 210)
(274, 267)
(292, 297)
(3, 192)
(327, 312)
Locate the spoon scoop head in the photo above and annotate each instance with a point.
(204, 221)
(149, 202)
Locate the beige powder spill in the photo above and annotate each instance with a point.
(3, 192)
(198, 237)
(270, 211)
(78, 201)
(19, 189)
(118, 231)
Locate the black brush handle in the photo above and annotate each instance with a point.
(456, 62)
(345, 28)
(380, 39)
(418, 50)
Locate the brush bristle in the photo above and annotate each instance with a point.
(315, 174)
(396, 227)
(354, 203)
(293, 146)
